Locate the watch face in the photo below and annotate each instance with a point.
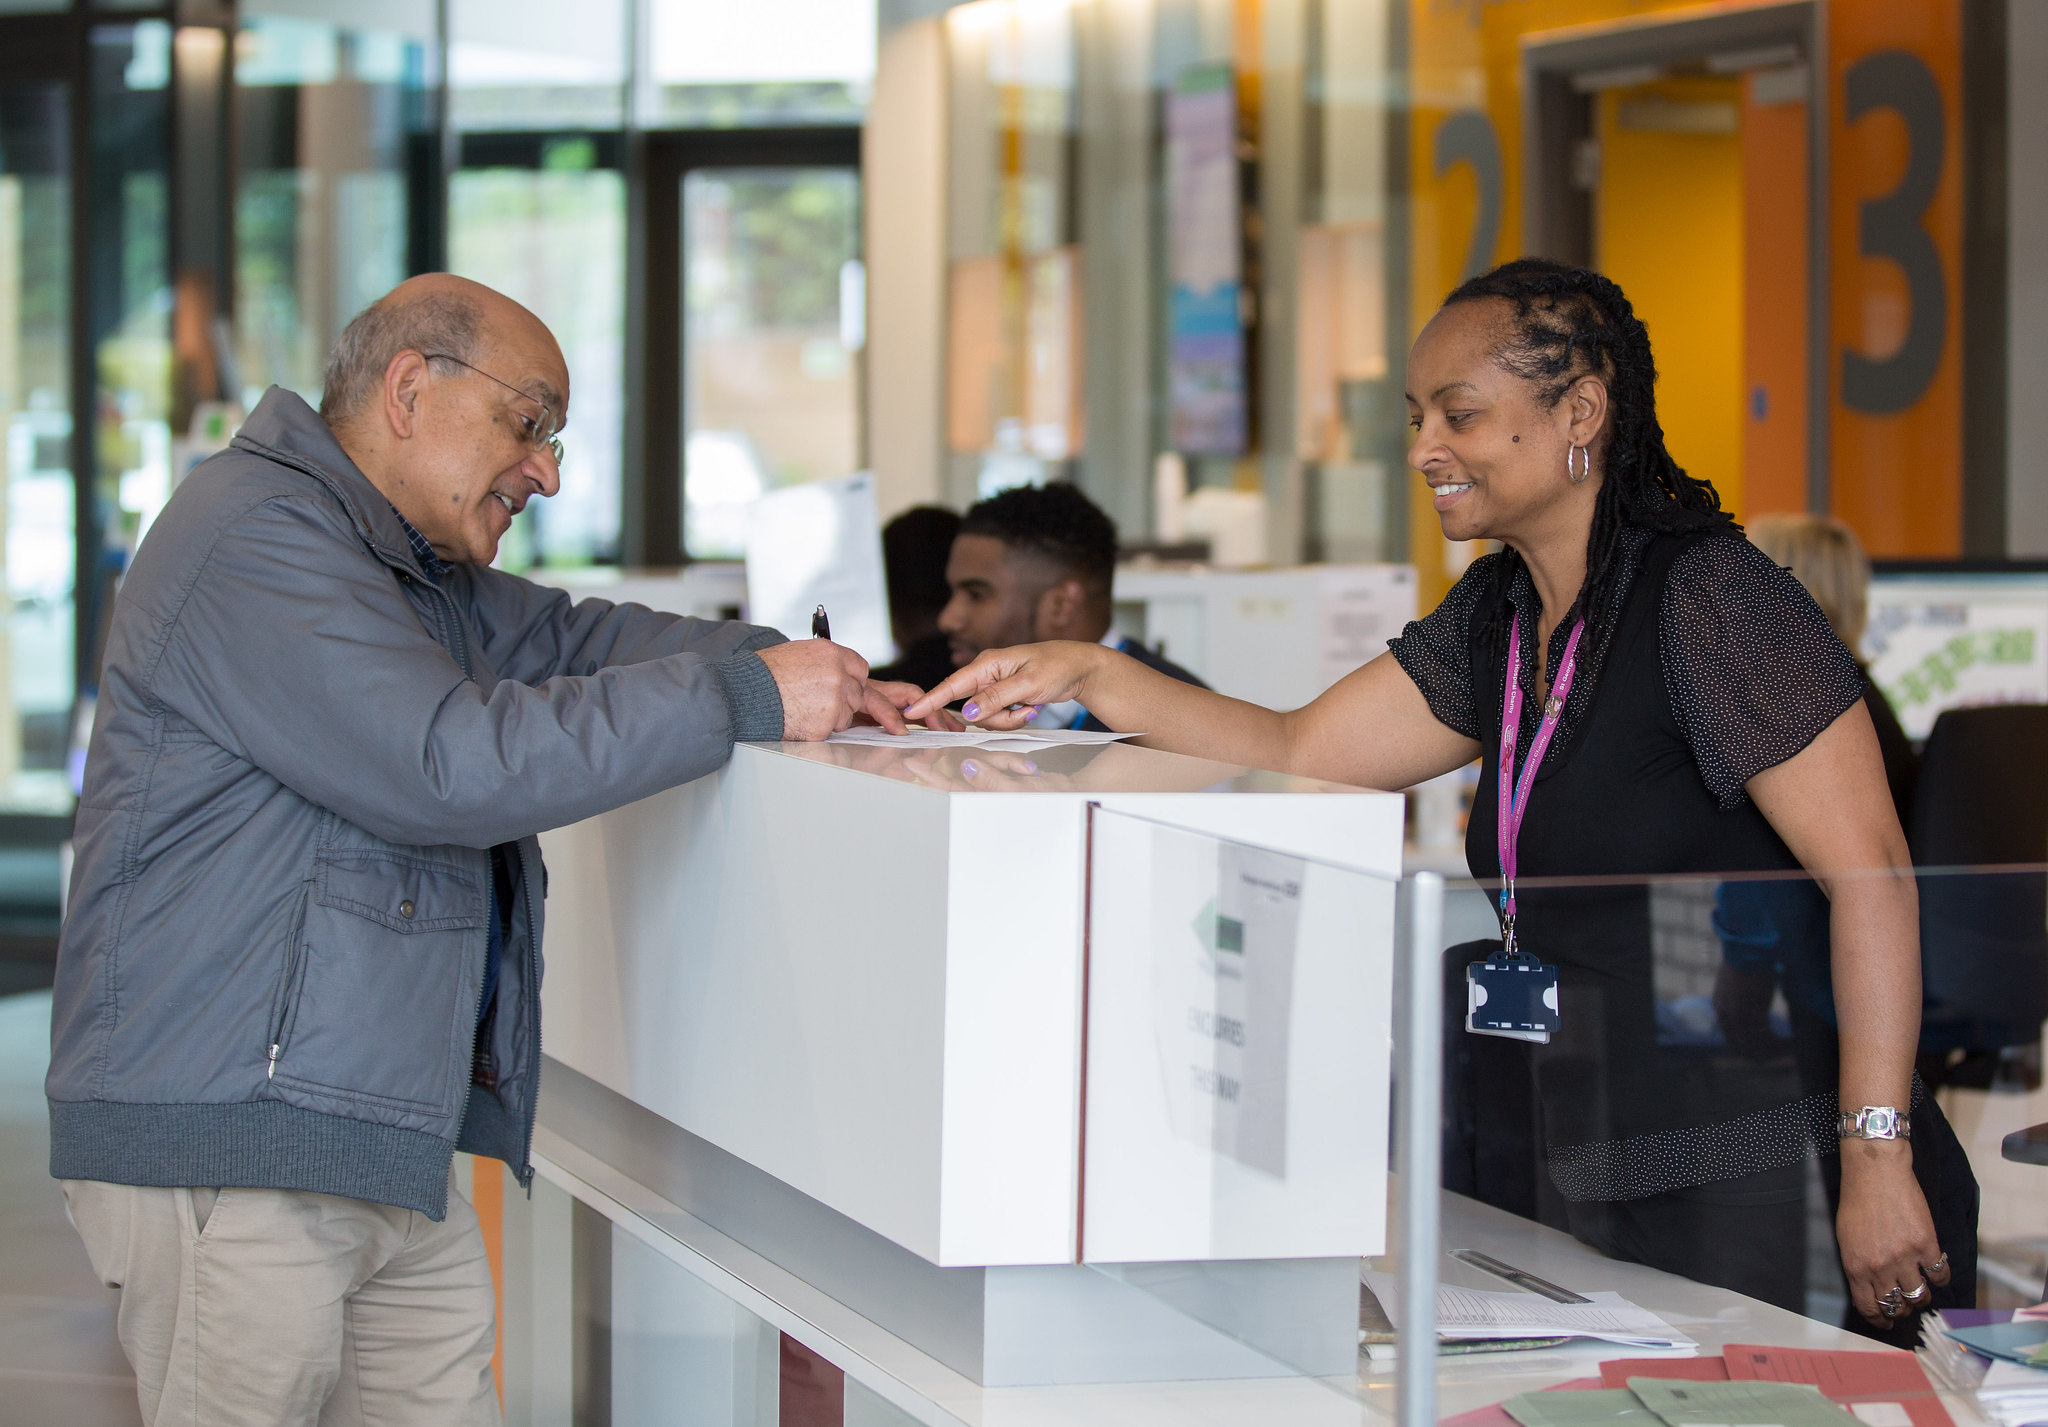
(1880, 1122)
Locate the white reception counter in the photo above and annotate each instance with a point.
(993, 1017)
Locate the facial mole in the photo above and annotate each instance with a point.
(1517, 438)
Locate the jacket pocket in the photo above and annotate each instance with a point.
(286, 1002)
(385, 1007)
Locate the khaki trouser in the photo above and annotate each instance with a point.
(275, 1308)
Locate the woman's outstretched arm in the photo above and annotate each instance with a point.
(1372, 728)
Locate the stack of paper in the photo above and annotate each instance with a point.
(1476, 1313)
(2001, 1355)
(1467, 1316)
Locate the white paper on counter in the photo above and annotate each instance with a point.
(1013, 739)
(1477, 1313)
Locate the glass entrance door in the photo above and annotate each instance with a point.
(38, 490)
(774, 321)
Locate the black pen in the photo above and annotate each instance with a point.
(1519, 1276)
(821, 627)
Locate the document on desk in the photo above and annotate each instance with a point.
(1476, 1313)
(1750, 1404)
(1579, 1409)
(1881, 1389)
(1473, 1313)
(1020, 740)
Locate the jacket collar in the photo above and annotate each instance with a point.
(284, 429)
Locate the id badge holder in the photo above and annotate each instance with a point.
(1512, 995)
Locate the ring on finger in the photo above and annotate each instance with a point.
(1940, 1265)
(1914, 1295)
(1889, 1308)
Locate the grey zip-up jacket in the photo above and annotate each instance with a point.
(271, 971)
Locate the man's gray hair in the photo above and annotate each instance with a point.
(433, 324)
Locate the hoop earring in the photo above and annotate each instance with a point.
(1578, 477)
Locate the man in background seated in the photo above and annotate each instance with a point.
(915, 547)
(1035, 563)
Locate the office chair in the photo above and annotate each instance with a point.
(1982, 799)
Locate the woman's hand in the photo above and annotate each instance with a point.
(1005, 688)
(1885, 1232)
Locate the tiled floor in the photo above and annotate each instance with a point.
(59, 1363)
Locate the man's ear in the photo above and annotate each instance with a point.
(1060, 608)
(403, 380)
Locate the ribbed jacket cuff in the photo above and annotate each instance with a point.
(753, 705)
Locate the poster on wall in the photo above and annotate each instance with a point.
(1938, 643)
(1206, 345)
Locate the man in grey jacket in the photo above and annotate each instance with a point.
(303, 957)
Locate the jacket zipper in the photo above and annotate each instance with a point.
(476, 1021)
(288, 1001)
(452, 622)
(525, 1170)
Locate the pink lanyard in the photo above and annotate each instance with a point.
(1514, 791)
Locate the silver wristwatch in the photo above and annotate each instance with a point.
(1875, 1122)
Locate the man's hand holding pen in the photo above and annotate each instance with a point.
(825, 688)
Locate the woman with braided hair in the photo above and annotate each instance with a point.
(1666, 700)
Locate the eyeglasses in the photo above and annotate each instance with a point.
(540, 434)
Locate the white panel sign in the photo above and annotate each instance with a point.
(816, 544)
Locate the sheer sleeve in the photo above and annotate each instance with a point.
(1436, 650)
(1753, 669)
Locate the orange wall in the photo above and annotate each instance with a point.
(1667, 226)
(1775, 211)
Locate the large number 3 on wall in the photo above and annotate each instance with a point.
(1468, 137)
(1893, 226)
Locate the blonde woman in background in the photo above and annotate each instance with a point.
(1824, 555)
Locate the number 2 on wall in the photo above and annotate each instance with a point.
(1468, 137)
(1893, 226)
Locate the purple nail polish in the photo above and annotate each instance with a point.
(972, 710)
(1029, 766)
(971, 768)
(1031, 714)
